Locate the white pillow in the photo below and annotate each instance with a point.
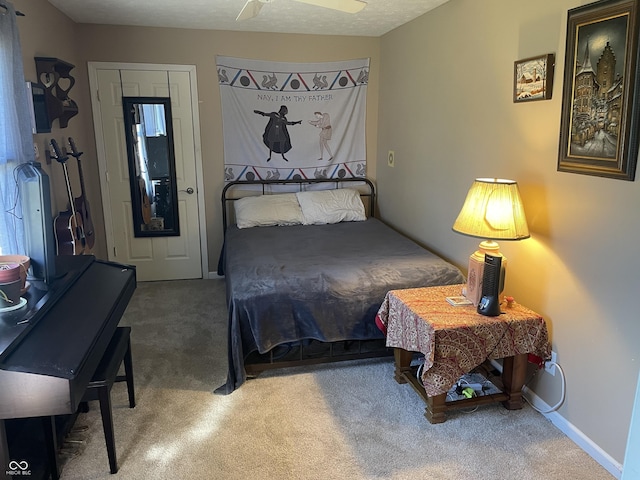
(268, 210)
(331, 206)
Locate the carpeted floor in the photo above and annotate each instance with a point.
(341, 421)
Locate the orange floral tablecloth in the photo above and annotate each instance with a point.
(455, 340)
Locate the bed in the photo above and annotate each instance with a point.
(304, 287)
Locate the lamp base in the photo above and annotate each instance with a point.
(473, 288)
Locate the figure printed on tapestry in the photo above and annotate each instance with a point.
(276, 136)
(323, 122)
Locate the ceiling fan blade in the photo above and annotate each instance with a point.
(347, 6)
(250, 10)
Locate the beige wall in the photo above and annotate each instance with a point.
(446, 109)
(199, 48)
(45, 32)
(440, 95)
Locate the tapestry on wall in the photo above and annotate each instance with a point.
(293, 120)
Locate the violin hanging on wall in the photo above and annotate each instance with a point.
(68, 227)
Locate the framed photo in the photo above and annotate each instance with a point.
(533, 78)
(599, 122)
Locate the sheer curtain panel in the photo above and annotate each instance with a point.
(16, 141)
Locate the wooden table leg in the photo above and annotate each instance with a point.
(403, 364)
(514, 371)
(436, 408)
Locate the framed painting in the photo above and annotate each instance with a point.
(533, 78)
(599, 122)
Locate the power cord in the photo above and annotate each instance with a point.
(421, 360)
(562, 393)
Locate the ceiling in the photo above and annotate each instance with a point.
(281, 16)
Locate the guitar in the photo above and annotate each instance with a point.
(81, 203)
(145, 204)
(69, 231)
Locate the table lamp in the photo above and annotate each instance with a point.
(493, 210)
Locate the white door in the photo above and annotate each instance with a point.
(155, 258)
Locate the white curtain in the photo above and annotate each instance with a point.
(16, 141)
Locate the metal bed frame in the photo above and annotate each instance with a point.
(306, 352)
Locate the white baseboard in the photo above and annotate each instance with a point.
(579, 438)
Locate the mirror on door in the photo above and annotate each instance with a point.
(152, 176)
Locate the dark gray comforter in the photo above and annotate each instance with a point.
(322, 282)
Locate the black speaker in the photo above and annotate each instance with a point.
(492, 282)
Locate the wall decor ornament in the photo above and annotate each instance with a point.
(54, 76)
(533, 78)
(600, 107)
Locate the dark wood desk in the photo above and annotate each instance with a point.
(50, 349)
(454, 341)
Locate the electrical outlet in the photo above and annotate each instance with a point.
(391, 159)
(36, 151)
(550, 366)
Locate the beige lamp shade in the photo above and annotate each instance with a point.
(493, 210)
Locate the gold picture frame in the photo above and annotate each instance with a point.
(599, 122)
(533, 78)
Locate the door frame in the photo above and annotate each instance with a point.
(93, 68)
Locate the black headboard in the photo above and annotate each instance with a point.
(299, 185)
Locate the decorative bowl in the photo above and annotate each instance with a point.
(24, 262)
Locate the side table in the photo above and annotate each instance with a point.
(456, 339)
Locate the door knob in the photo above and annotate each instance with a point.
(188, 190)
